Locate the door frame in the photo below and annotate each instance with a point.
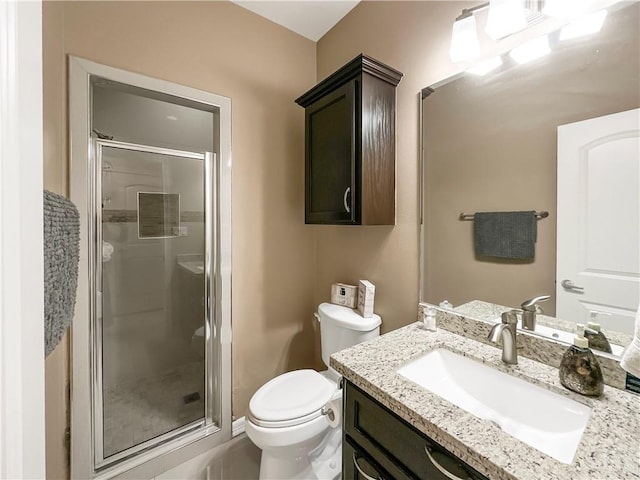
(174, 452)
(22, 402)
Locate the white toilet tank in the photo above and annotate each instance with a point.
(343, 327)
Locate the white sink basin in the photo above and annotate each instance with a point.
(545, 420)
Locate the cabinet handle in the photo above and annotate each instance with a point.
(361, 472)
(344, 199)
(442, 470)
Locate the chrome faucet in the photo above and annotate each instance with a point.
(529, 309)
(506, 332)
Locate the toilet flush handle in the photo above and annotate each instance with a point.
(315, 314)
(328, 411)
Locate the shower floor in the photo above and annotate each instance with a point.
(135, 412)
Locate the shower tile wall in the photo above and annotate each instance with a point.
(141, 336)
(153, 368)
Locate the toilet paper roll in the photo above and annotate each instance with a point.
(334, 412)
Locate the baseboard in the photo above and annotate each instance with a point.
(237, 427)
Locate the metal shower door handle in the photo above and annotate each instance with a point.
(344, 200)
(568, 285)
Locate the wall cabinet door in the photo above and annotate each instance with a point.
(331, 157)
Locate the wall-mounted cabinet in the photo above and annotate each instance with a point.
(350, 150)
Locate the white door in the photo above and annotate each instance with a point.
(598, 257)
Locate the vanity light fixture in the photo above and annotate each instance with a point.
(586, 25)
(531, 50)
(464, 38)
(505, 17)
(486, 66)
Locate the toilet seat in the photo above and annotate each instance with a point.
(291, 399)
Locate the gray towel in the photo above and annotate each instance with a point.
(61, 248)
(505, 234)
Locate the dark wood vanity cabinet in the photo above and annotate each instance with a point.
(350, 167)
(377, 444)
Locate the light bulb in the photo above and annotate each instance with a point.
(586, 25)
(505, 17)
(531, 50)
(464, 39)
(566, 8)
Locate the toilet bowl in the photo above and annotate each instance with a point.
(290, 418)
(287, 420)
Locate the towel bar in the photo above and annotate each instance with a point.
(470, 216)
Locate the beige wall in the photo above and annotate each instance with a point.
(55, 180)
(221, 48)
(412, 37)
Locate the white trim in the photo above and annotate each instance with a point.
(22, 449)
(79, 131)
(238, 427)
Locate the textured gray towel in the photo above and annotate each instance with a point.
(505, 234)
(61, 248)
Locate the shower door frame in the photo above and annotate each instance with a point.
(170, 453)
(211, 412)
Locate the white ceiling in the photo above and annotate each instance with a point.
(309, 18)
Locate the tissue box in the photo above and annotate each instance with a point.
(366, 291)
(345, 295)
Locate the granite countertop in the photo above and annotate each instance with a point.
(609, 448)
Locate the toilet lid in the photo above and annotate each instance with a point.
(294, 395)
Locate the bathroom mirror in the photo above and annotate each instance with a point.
(490, 144)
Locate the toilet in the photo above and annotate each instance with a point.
(287, 418)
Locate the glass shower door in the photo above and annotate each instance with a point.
(152, 325)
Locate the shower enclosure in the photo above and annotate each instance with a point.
(152, 281)
(153, 321)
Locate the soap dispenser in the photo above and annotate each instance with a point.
(597, 339)
(579, 368)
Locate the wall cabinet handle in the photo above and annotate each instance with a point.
(344, 200)
(442, 470)
(361, 472)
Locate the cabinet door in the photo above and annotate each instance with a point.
(330, 158)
